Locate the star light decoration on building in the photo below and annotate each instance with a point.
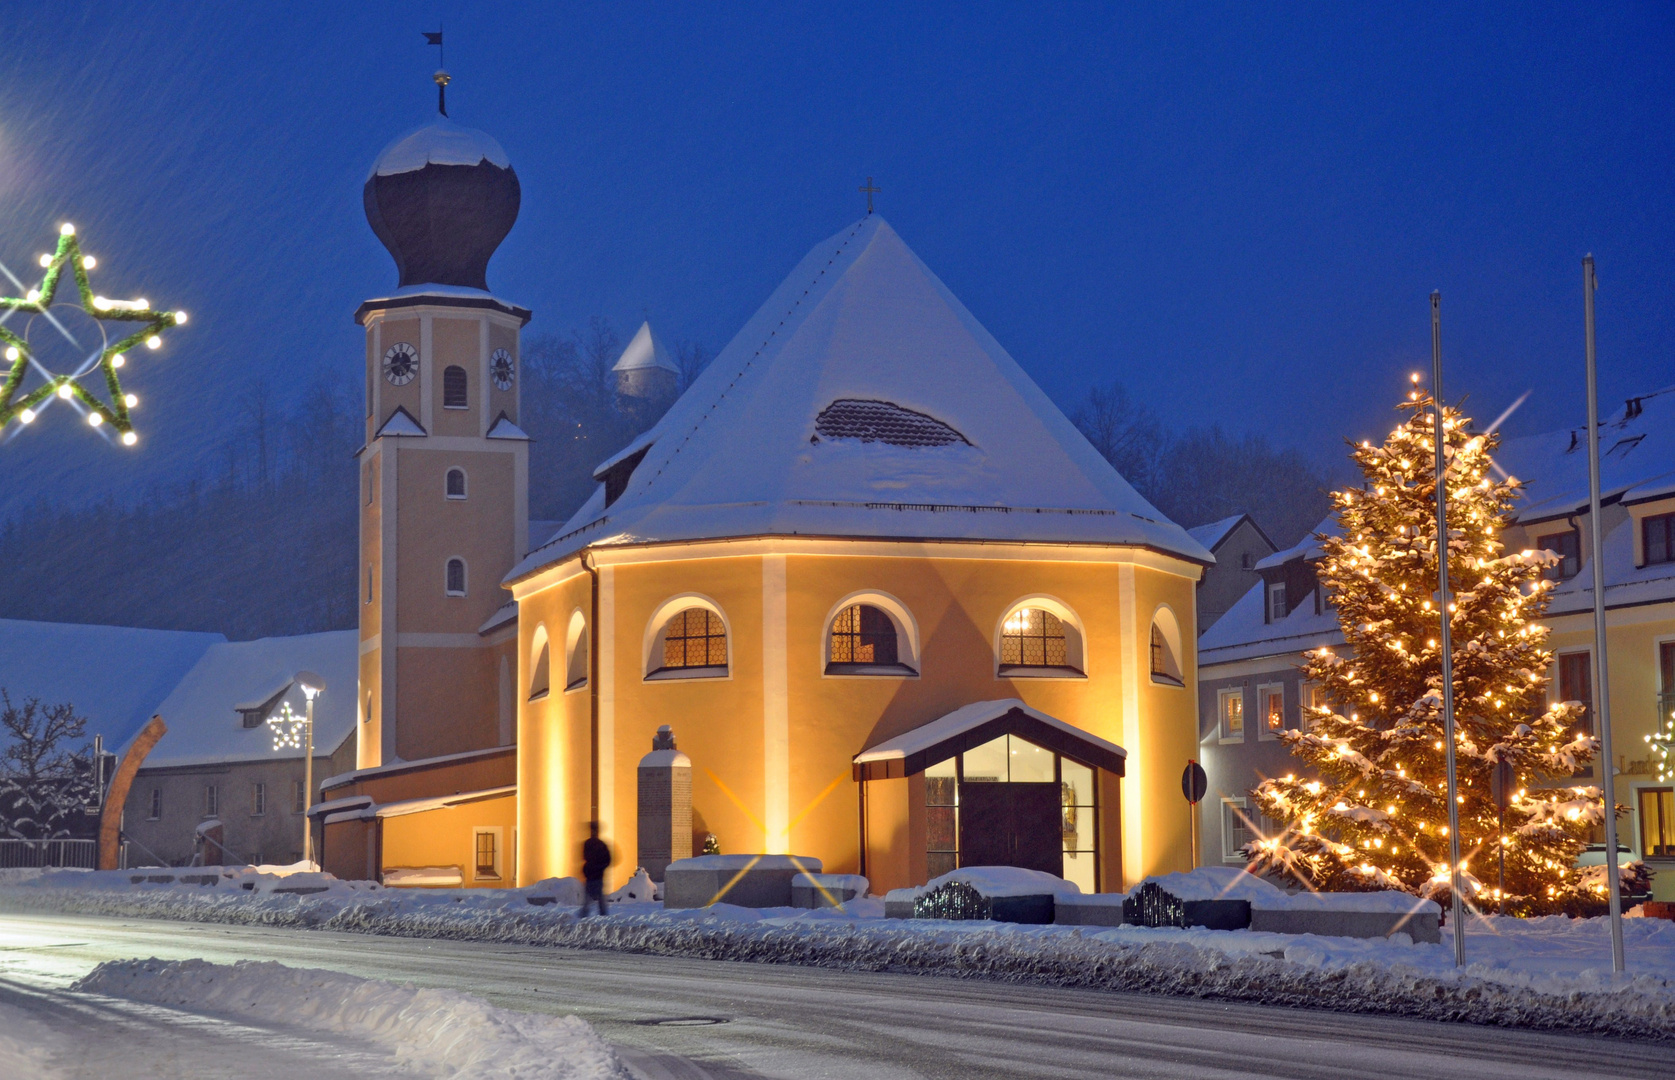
(287, 728)
(1663, 740)
(17, 407)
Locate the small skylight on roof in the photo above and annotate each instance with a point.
(885, 422)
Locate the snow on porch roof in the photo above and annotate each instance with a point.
(862, 321)
(973, 725)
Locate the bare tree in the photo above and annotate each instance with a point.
(45, 769)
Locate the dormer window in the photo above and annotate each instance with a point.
(1276, 602)
(1567, 546)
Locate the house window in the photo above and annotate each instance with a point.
(456, 577)
(1576, 683)
(366, 717)
(455, 487)
(1271, 701)
(156, 804)
(863, 642)
(258, 799)
(212, 801)
(694, 643)
(453, 387)
(1657, 535)
(1567, 546)
(1276, 601)
(1230, 705)
(1236, 830)
(486, 843)
(297, 791)
(1657, 822)
(942, 818)
(539, 679)
(369, 583)
(1247, 561)
(1079, 811)
(1313, 704)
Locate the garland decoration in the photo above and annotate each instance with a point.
(20, 408)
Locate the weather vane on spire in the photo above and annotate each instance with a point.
(441, 76)
(866, 189)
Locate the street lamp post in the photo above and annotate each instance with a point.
(289, 733)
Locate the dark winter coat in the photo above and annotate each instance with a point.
(595, 858)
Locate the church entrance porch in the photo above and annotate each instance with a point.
(991, 784)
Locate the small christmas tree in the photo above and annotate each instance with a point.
(1374, 812)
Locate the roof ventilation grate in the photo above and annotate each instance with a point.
(885, 422)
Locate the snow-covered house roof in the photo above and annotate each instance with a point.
(1637, 459)
(646, 350)
(440, 142)
(1216, 531)
(113, 675)
(203, 711)
(1626, 585)
(1243, 633)
(972, 725)
(1309, 547)
(864, 400)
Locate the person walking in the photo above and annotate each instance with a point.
(596, 859)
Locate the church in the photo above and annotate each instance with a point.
(894, 610)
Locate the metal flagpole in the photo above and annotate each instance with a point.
(1457, 914)
(1602, 686)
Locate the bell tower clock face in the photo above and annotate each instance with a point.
(401, 364)
(502, 369)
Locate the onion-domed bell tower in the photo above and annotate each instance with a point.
(444, 473)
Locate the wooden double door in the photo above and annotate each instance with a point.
(1012, 824)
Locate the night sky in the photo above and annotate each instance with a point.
(1236, 211)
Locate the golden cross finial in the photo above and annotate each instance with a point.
(869, 191)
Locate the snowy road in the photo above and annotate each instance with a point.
(679, 1018)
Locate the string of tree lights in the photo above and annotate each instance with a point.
(21, 407)
(1373, 813)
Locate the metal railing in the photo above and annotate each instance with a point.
(84, 854)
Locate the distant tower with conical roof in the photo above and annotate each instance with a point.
(444, 472)
(646, 368)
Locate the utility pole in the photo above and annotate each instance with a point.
(1457, 914)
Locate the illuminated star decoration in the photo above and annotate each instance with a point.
(107, 358)
(287, 728)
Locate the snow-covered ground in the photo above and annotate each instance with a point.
(1545, 973)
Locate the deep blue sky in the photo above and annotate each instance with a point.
(1237, 211)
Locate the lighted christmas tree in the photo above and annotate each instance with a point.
(1373, 814)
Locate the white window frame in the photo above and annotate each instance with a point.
(1076, 663)
(1221, 715)
(1306, 720)
(907, 636)
(1271, 591)
(577, 653)
(465, 483)
(156, 805)
(499, 834)
(464, 573)
(652, 650)
(258, 799)
(1229, 854)
(212, 801)
(1263, 690)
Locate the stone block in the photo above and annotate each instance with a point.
(1091, 909)
(762, 880)
(819, 890)
(1336, 922)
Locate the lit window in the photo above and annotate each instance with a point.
(942, 822)
(1231, 707)
(1657, 822)
(1313, 701)
(456, 484)
(258, 799)
(1032, 637)
(1235, 830)
(456, 577)
(863, 640)
(454, 387)
(1568, 547)
(694, 641)
(1271, 700)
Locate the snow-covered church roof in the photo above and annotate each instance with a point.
(646, 350)
(863, 400)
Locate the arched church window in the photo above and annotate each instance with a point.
(576, 652)
(1036, 640)
(864, 641)
(456, 577)
(538, 678)
(454, 387)
(693, 643)
(1165, 649)
(456, 484)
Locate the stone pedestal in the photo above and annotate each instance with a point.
(665, 805)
